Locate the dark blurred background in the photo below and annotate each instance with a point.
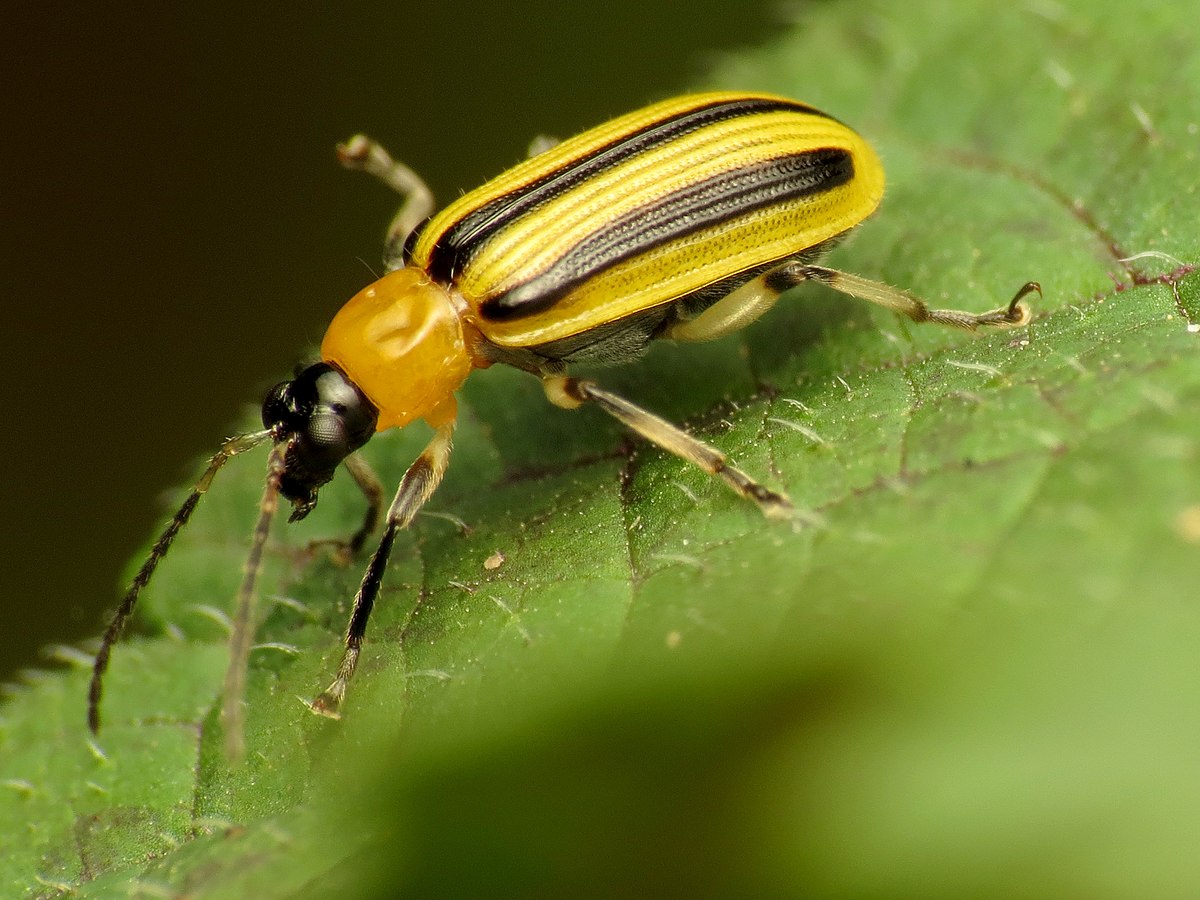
(176, 232)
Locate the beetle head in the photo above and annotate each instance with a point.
(323, 417)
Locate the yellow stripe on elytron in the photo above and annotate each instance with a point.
(534, 242)
(527, 246)
(678, 268)
(563, 154)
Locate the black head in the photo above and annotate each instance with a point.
(324, 418)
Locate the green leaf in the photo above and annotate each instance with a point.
(969, 672)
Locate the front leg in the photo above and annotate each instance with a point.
(570, 393)
(364, 476)
(368, 482)
(416, 487)
(365, 155)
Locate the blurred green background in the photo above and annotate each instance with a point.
(177, 233)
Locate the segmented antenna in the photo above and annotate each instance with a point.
(231, 448)
(233, 709)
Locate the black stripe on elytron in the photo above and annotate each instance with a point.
(454, 247)
(706, 203)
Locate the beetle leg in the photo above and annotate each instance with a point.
(745, 304)
(365, 155)
(368, 482)
(734, 311)
(1015, 314)
(570, 393)
(416, 487)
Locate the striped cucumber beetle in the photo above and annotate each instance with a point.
(685, 220)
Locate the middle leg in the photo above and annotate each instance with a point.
(570, 393)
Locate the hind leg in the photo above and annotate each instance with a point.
(746, 303)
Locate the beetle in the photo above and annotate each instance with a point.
(684, 221)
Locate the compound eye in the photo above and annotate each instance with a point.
(326, 431)
(342, 414)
